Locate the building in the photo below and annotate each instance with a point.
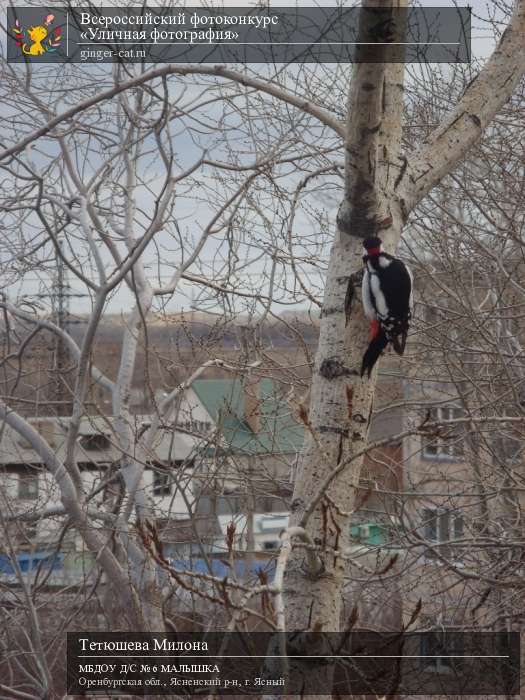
(226, 454)
(30, 495)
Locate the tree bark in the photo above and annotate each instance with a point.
(341, 402)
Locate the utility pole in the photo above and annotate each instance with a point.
(60, 298)
(61, 294)
(250, 341)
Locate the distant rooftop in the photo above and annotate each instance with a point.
(224, 400)
(97, 442)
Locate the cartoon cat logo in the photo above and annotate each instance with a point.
(37, 36)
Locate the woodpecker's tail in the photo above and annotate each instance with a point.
(373, 352)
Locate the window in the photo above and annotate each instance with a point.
(206, 505)
(95, 441)
(182, 550)
(203, 426)
(449, 445)
(230, 504)
(266, 504)
(440, 526)
(369, 533)
(270, 545)
(30, 532)
(161, 483)
(28, 486)
(198, 426)
(441, 649)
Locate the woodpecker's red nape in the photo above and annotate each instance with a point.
(373, 252)
(372, 245)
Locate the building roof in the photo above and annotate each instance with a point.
(224, 400)
(168, 445)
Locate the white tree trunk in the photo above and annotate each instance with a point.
(341, 402)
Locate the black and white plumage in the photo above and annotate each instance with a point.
(387, 301)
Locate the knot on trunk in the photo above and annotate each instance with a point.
(332, 368)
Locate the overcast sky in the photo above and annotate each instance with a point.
(482, 44)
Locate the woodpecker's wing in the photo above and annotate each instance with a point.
(395, 285)
(368, 302)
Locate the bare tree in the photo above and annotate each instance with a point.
(102, 183)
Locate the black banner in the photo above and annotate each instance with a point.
(430, 663)
(238, 35)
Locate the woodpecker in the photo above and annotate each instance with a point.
(387, 301)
